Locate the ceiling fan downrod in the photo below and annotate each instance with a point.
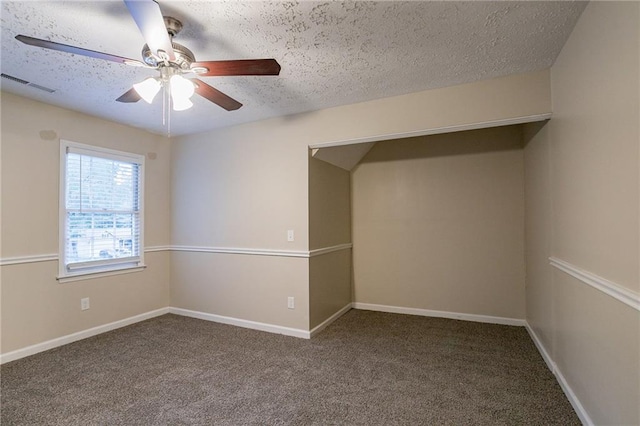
(173, 25)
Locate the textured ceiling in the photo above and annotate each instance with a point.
(332, 53)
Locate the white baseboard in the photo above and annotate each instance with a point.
(70, 338)
(254, 325)
(439, 314)
(543, 351)
(571, 396)
(74, 337)
(317, 329)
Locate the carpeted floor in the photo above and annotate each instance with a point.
(367, 368)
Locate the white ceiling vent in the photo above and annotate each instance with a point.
(26, 83)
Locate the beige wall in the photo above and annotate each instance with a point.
(240, 191)
(582, 188)
(245, 186)
(488, 100)
(225, 176)
(329, 225)
(438, 223)
(595, 144)
(35, 308)
(329, 205)
(540, 294)
(246, 287)
(240, 187)
(329, 285)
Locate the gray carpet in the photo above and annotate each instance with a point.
(366, 368)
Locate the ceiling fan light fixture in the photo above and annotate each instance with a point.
(181, 104)
(148, 89)
(181, 90)
(181, 87)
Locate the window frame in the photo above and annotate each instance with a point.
(96, 268)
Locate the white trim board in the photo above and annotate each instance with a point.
(196, 249)
(327, 250)
(440, 314)
(571, 396)
(80, 335)
(324, 324)
(248, 251)
(254, 325)
(438, 130)
(263, 252)
(610, 288)
(17, 260)
(74, 337)
(151, 249)
(543, 351)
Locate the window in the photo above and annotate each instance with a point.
(101, 193)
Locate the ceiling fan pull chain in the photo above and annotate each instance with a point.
(164, 103)
(167, 107)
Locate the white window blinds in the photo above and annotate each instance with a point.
(102, 209)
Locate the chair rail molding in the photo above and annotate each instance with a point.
(327, 250)
(610, 288)
(16, 260)
(246, 251)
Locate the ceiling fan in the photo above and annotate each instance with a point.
(171, 59)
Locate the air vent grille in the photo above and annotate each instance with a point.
(26, 83)
(37, 86)
(16, 79)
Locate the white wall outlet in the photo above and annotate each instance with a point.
(290, 235)
(84, 304)
(291, 303)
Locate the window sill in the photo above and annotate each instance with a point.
(99, 274)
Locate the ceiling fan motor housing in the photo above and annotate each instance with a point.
(184, 56)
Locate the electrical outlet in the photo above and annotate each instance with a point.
(290, 235)
(84, 304)
(290, 303)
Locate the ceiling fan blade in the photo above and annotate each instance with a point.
(129, 96)
(237, 67)
(149, 19)
(215, 96)
(76, 50)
